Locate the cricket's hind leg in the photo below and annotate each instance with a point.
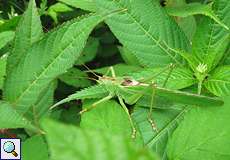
(153, 98)
(134, 131)
(94, 105)
(150, 119)
(153, 124)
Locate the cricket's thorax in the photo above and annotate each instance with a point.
(119, 81)
(110, 80)
(112, 84)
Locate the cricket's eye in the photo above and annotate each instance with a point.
(126, 82)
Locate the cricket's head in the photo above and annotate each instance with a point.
(129, 82)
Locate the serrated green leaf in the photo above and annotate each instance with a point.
(89, 52)
(10, 118)
(41, 107)
(10, 25)
(29, 30)
(69, 142)
(226, 59)
(165, 120)
(107, 117)
(39, 151)
(175, 2)
(128, 57)
(219, 81)
(187, 24)
(3, 60)
(88, 5)
(211, 40)
(203, 134)
(43, 7)
(194, 9)
(140, 28)
(97, 91)
(6, 37)
(57, 8)
(53, 60)
(76, 78)
(192, 60)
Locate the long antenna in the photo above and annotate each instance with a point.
(20, 81)
(91, 71)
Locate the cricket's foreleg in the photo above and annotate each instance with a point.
(134, 131)
(107, 72)
(151, 121)
(111, 70)
(95, 104)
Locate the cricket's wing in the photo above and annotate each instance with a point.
(97, 91)
(188, 98)
(169, 95)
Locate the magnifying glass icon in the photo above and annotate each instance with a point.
(9, 147)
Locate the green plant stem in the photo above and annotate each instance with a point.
(199, 87)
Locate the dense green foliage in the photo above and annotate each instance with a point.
(116, 79)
